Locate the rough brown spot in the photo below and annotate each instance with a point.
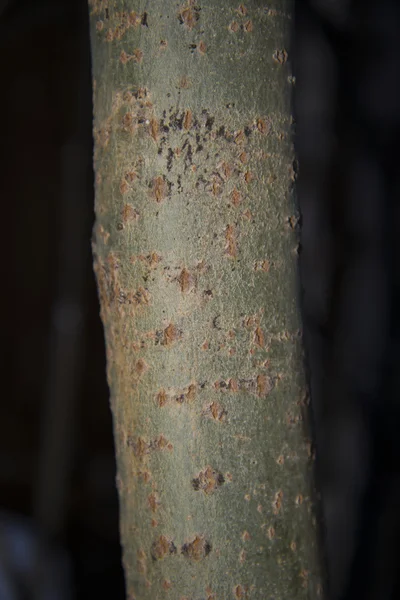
(162, 547)
(243, 158)
(239, 137)
(264, 385)
(202, 48)
(215, 411)
(230, 241)
(154, 129)
(153, 501)
(141, 563)
(197, 549)
(123, 57)
(99, 25)
(271, 533)
(210, 594)
(259, 337)
(262, 265)
(187, 120)
(248, 26)
(171, 334)
(191, 392)
(123, 187)
(280, 460)
(129, 214)
(141, 447)
(246, 536)
(208, 480)
(166, 584)
(141, 367)
(299, 499)
(304, 574)
(146, 475)
(248, 176)
(127, 122)
(184, 83)
(134, 19)
(240, 592)
(293, 546)
(277, 503)
(162, 398)
(185, 280)
(293, 222)
(130, 176)
(242, 10)
(163, 44)
(236, 197)
(159, 188)
(242, 556)
(280, 56)
(225, 169)
(205, 345)
(189, 15)
(137, 55)
(234, 27)
(233, 385)
(263, 126)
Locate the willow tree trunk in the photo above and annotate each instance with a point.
(195, 256)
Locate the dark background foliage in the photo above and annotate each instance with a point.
(56, 449)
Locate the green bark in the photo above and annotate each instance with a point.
(195, 256)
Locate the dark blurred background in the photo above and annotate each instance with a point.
(58, 501)
(57, 463)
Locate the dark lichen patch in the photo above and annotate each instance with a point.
(162, 547)
(208, 480)
(197, 549)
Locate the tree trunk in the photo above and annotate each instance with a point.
(195, 256)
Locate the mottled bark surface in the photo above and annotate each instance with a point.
(195, 256)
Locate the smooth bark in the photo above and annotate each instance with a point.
(195, 254)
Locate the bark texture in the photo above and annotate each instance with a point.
(195, 256)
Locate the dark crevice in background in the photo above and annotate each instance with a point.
(347, 66)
